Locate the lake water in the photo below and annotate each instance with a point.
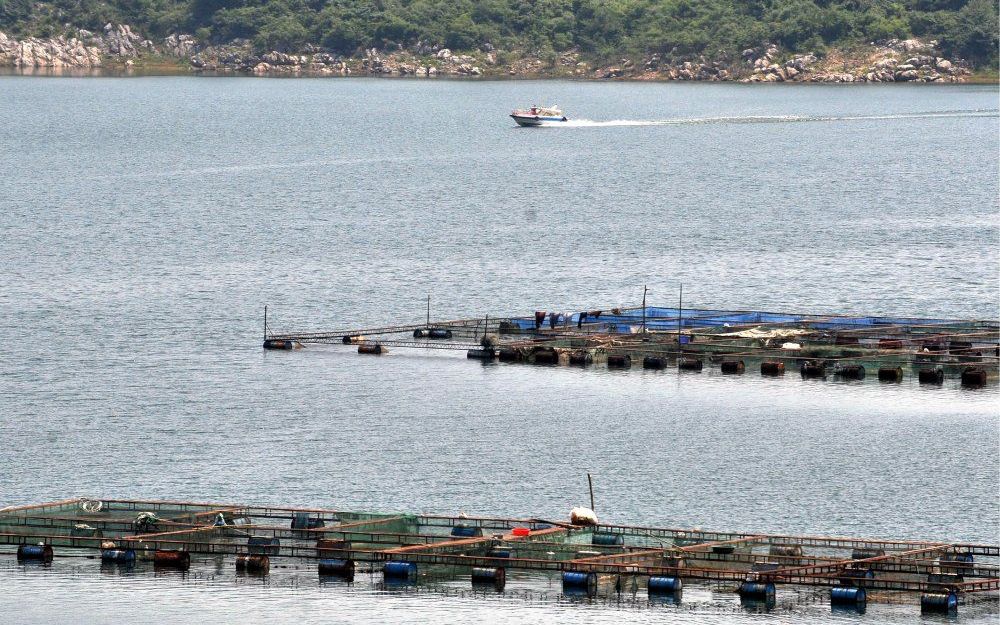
(145, 223)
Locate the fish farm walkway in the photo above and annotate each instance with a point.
(590, 560)
(737, 342)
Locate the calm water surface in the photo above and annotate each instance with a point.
(145, 223)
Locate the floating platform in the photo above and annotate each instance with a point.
(892, 349)
(604, 559)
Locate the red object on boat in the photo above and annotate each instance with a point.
(521, 531)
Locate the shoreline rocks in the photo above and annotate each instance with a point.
(117, 46)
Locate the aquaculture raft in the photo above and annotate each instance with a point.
(591, 560)
(888, 349)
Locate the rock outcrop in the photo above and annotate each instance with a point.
(118, 45)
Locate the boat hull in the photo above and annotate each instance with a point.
(535, 120)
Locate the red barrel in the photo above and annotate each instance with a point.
(172, 559)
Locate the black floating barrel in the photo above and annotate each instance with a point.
(851, 372)
(37, 553)
(890, 374)
(172, 559)
(959, 347)
(337, 567)
(485, 353)
(508, 354)
(973, 377)
(939, 603)
(370, 348)
(731, 367)
(689, 364)
(546, 356)
(579, 582)
(654, 362)
(772, 367)
(931, 376)
(432, 333)
(813, 369)
(581, 358)
(619, 361)
(278, 344)
(489, 576)
(253, 563)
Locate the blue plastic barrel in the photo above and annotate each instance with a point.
(336, 566)
(396, 570)
(761, 591)
(579, 582)
(42, 553)
(439, 333)
(499, 553)
(939, 603)
(607, 539)
(118, 556)
(466, 531)
(848, 596)
(659, 585)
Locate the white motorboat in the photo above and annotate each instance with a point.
(538, 115)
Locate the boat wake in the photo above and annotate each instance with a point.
(766, 119)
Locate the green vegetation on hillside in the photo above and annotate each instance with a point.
(603, 29)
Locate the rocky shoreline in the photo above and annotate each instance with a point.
(118, 47)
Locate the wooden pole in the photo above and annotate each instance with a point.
(265, 322)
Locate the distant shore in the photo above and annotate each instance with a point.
(118, 51)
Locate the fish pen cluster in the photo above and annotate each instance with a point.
(589, 559)
(890, 349)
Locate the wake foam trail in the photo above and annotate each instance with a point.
(766, 119)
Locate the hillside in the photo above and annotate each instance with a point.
(596, 34)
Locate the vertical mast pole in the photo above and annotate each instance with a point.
(644, 289)
(680, 313)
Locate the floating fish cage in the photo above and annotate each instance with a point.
(819, 347)
(499, 554)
